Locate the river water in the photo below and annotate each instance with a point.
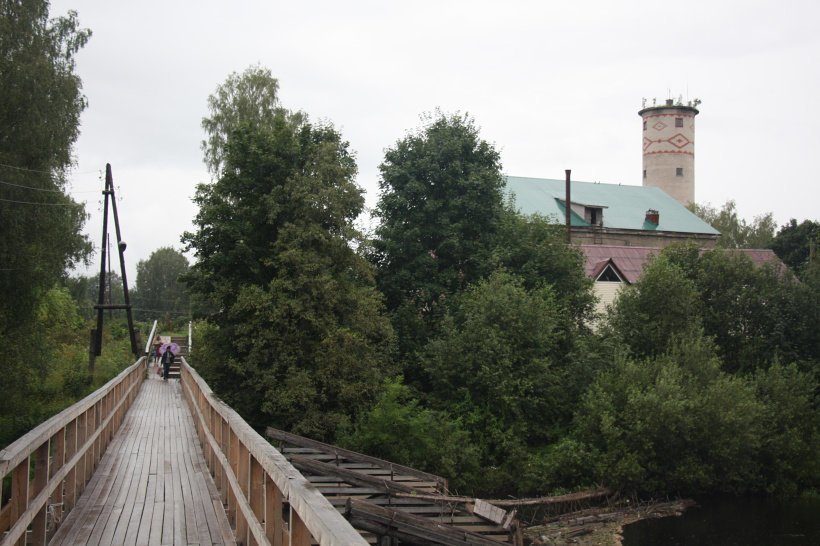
(730, 522)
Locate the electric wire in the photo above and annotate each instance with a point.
(42, 171)
(38, 203)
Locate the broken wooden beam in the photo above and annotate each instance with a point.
(407, 527)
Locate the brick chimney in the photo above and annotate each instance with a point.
(653, 217)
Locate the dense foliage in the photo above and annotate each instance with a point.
(54, 362)
(159, 290)
(735, 232)
(440, 205)
(797, 244)
(249, 98)
(298, 338)
(41, 235)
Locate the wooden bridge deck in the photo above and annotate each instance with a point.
(152, 485)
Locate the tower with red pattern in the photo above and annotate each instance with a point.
(669, 148)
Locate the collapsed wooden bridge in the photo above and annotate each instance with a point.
(142, 462)
(384, 499)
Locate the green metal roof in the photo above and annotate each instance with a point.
(624, 207)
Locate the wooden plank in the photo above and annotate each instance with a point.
(57, 462)
(41, 475)
(273, 513)
(489, 511)
(385, 521)
(178, 531)
(350, 476)
(113, 502)
(146, 445)
(338, 452)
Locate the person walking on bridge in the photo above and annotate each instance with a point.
(167, 360)
(157, 352)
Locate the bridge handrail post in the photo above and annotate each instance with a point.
(63, 451)
(150, 342)
(241, 457)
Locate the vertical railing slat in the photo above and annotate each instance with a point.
(41, 472)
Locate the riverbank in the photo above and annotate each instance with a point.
(599, 526)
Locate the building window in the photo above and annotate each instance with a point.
(679, 171)
(644, 173)
(594, 215)
(644, 125)
(609, 275)
(678, 122)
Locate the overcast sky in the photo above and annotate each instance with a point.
(554, 85)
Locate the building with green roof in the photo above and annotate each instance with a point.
(611, 214)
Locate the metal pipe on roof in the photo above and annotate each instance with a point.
(567, 209)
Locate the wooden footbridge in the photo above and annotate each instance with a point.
(142, 461)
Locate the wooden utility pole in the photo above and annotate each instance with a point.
(96, 334)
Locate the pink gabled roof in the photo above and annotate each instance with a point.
(759, 256)
(631, 260)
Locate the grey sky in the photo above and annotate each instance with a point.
(555, 85)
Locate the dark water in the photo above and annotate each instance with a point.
(730, 522)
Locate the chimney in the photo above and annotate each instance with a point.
(653, 217)
(567, 211)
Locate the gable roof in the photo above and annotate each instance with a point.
(630, 261)
(624, 207)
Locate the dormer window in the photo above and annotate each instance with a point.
(594, 215)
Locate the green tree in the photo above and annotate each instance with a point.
(398, 428)
(248, 98)
(672, 423)
(534, 250)
(496, 367)
(159, 290)
(299, 330)
(797, 244)
(650, 314)
(439, 209)
(755, 314)
(39, 112)
(41, 235)
(791, 429)
(736, 232)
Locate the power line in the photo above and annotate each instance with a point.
(30, 187)
(41, 171)
(67, 190)
(39, 203)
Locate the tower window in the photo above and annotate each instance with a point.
(679, 171)
(678, 122)
(644, 173)
(644, 125)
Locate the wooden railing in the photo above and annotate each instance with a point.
(50, 466)
(268, 501)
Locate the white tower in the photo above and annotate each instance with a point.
(669, 148)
